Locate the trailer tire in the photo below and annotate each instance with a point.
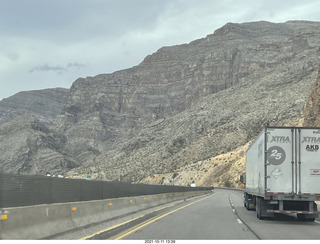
(249, 202)
(311, 219)
(258, 208)
(303, 217)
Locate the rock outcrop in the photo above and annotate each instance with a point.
(44, 104)
(312, 109)
(28, 146)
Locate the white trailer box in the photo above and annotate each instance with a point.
(283, 171)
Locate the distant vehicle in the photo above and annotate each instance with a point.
(193, 185)
(59, 176)
(283, 172)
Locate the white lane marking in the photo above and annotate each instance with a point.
(239, 221)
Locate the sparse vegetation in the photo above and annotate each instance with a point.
(228, 184)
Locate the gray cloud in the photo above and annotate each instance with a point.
(76, 65)
(39, 38)
(47, 67)
(58, 69)
(75, 20)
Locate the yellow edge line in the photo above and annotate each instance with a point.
(109, 228)
(117, 225)
(155, 219)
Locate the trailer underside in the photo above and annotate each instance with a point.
(305, 210)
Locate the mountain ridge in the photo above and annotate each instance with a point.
(183, 104)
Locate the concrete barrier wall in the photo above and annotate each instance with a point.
(41, 221)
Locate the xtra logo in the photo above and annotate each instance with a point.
(282, 139)
(311, 139)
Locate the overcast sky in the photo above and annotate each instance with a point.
(51, 43)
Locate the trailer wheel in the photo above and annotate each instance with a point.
(311, 219)
(245, 200)
(303, 217)
(249, 202)
(258, 208)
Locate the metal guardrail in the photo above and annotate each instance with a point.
(26, 190)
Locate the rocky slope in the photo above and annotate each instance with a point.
(44, 104)
(312, 109)
(185, 114)
(212, 96)
(28, 146)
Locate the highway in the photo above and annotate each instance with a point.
(217, 216)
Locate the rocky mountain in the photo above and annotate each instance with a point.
(208, 97)
(44, 104)
(28, 146)
(185, 114)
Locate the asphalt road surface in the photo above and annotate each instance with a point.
(217, 216)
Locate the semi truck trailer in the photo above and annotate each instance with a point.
(283, 173)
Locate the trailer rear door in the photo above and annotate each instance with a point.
(279, 157)
(309, 161)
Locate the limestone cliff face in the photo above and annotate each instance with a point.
(174, 79)
(194, 101)
(28, 145)
(182, 104)
(312, 109)
(45, 104)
